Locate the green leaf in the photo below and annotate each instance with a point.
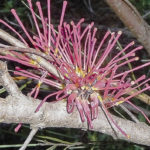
(55, 139)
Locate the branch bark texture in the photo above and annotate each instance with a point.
(18, 108)
(14, 110)
(133, 20)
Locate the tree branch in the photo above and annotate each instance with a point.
(7, 81)
(18, 108)
(55, 115)
(133, 20)
(41, 61)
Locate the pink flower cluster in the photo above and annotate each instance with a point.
(86, 81)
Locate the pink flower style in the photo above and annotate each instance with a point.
(85, 82)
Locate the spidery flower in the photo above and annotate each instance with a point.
(85, 80)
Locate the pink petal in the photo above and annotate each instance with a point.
(70, 102)
(80, 108)
(87, 113)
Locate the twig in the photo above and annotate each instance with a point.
(11, 22)
(147, 113)
(42, 62)
(129, 113)
(29, 138)
(146, 14)
(88, 5)
(143, 97)
(26, 50)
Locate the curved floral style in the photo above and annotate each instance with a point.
(85, 80)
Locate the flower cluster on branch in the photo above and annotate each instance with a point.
(83, 78)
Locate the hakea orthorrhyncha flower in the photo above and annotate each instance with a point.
(85, 81)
